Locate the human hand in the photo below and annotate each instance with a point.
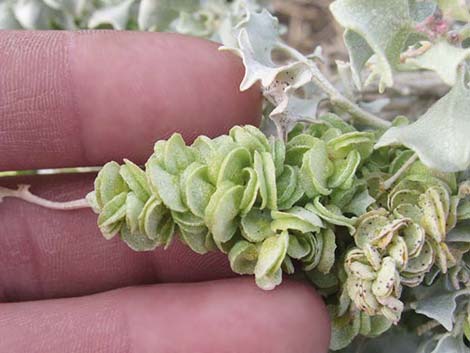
(69, 99)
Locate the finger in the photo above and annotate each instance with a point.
(50, 254)
(212, 317)
(84, 98)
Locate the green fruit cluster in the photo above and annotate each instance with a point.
(266, 203)
(316, 202)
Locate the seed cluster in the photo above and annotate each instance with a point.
(315, 202)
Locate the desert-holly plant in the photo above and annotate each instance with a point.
(375, 213)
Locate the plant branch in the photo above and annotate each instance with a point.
(390, 181)
(23, 193)
(344, 103)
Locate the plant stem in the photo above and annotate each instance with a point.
(428, 326)
(23, 193)
(50, 171)
(344, 103)
(390, 181)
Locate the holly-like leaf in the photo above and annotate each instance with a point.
(442, 58)
(441, 307)
(258, 41)
(374, 27)
(441, 136)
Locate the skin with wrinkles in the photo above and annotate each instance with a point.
(86, 98)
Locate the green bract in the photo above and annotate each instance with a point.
(274, 206)
(241, 193)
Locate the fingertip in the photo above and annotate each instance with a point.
(135, 88)
(84, 98)
(312, 311)
(231, 315)
(225, 316)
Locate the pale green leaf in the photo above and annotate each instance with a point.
(197, 240)
(138, 241)
(449, 151)
(289, 189)
(316, 168)
(196, 188)
(112, 214)
(134, 206)
(251, 191)
(296, 218)
(250, 137)
(332, 214)
(166, 184)
(328, 258)
(256, 225)
(176, 155)
(109, 183)
(344, 328)
(222, 211)
(233, 165)
(136, 179)
(266, 173)
(271, 255)
(243, 257)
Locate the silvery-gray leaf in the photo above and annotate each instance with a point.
(257, 40)
(292, 108)
(450, 150)
(374, 27)
(441, 307)
(442, 58)
(450, 344)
